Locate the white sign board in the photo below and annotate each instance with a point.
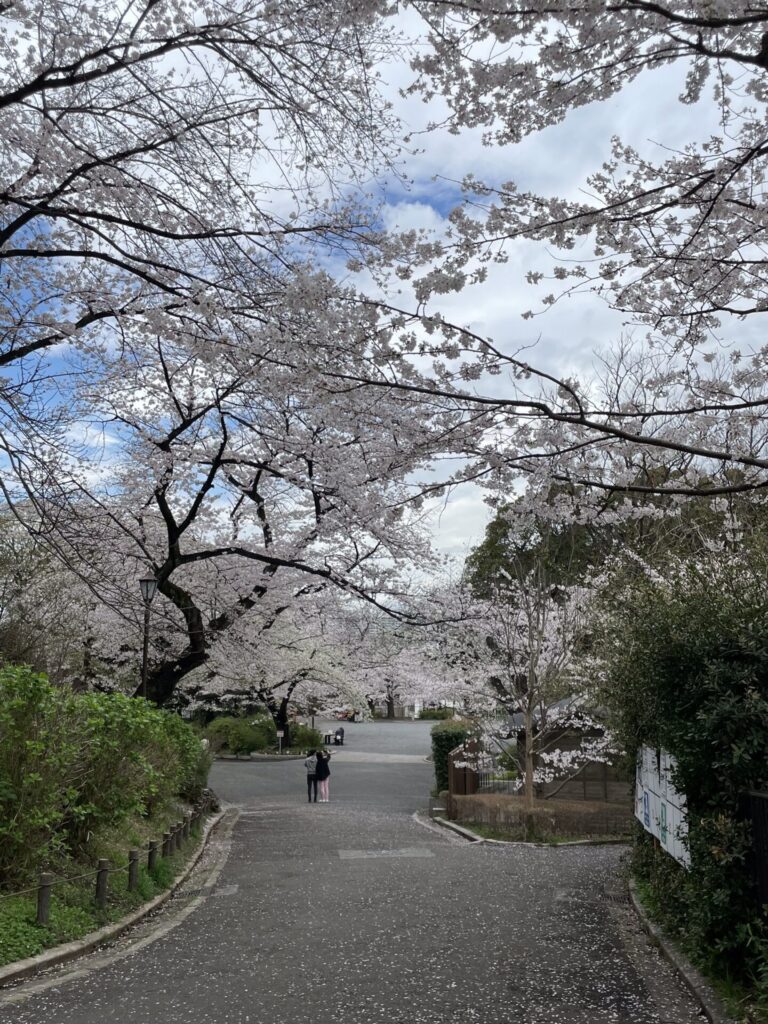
(659, 808)
(280, 733)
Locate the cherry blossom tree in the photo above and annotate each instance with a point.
(240, 484)
(672, 236)
(169, 169)
(152, 151)
(517, 650)
(297, 659)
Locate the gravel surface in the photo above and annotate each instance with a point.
(354, 912)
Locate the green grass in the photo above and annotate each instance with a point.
(73, 911)
(505, 835)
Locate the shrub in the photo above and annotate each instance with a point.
(305, 738)
(40, 763)
(436, 714)
(266, 731)
(242, 735)
(74, 763)
(687, 660)
(508, 764)
(446, 736)
(193, 760)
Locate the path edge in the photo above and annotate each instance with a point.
(473, 837)
(701, 989)
(22, 969)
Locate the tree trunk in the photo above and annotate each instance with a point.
(390, 702)
(528, 792)
(163, 679)
(282, 722)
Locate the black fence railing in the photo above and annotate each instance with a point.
(171, 842)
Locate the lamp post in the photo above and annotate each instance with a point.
(148, 590)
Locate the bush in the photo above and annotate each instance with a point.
(305, 738)
(446, 736)
(240, 735)
(71, 764)
(193, 760)
(687, 660)
(436, 714)
(40, 763)
(508, 764)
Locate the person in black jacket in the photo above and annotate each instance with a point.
(310, 766)
(323, 772)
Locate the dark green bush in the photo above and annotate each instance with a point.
(446, 736)
(304, 738)
(241, 735)
(193, 760)
(266, 731)
(237, 735)
(436, 714)
(687, 660)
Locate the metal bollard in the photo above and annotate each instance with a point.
(102, 881)
(152, 855)
(44, 897)
(133, 870)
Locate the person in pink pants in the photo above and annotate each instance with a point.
(323, 775)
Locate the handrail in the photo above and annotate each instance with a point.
(171, 842)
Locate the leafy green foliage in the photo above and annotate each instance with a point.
(445, 737)
(436, 714)
(305, 738)
(71, 764)
(686, 663)
(241, 735)
(563, 554)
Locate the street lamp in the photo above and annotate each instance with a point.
(148, 590)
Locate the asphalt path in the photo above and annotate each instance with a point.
(356, 912)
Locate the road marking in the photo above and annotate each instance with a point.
(408, 851)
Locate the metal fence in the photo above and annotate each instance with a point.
(171, 842)
(756, 812)
(475, 767)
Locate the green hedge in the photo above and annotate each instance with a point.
(436, 714)
(446, 736)
(71, 764)
(687, 660)
(242, 735)
(305, 738)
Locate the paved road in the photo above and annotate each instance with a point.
(353, 912)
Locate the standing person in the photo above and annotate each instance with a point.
(323, 774)
(311, 767)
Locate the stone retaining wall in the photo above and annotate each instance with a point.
(581, 818)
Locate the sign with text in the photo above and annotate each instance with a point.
(659, 807)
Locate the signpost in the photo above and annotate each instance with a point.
(280, 734)
(660, 809)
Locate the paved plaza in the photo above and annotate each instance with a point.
(355, 912)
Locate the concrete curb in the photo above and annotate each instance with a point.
(453, 827)
(474, 838)
(694, 981)
(71, 950)
(260, 757)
